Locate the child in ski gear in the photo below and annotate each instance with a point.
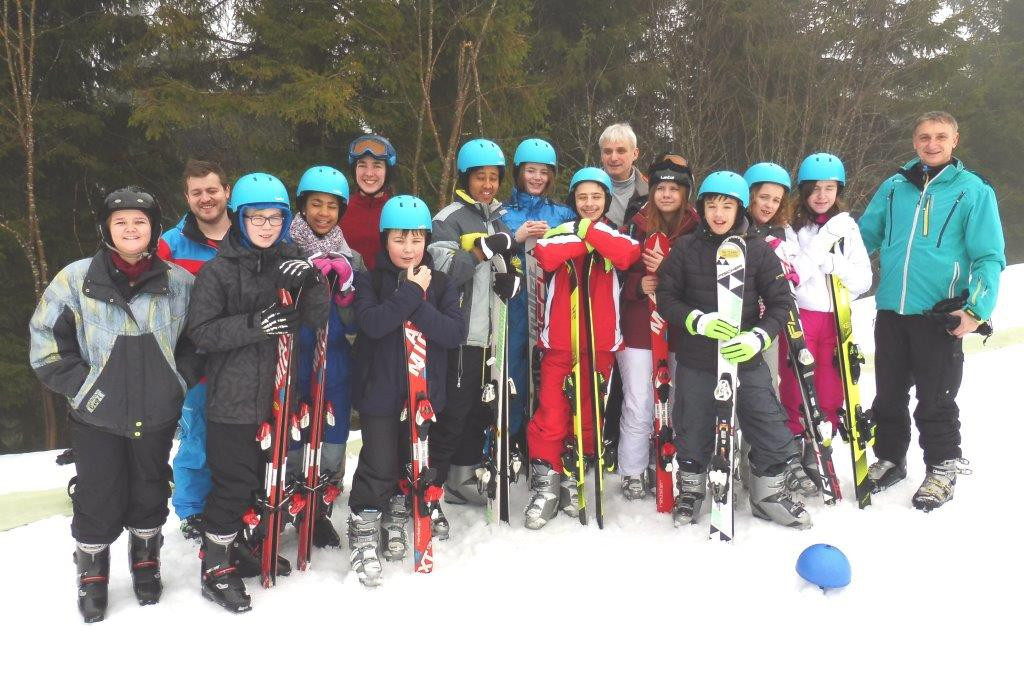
(823, 241)
(590, 193)
(190, 244)
(322, 197)
(667, 211)
(687, 293)
(617, 145)
(108, 335)
(467, 235)
(371, 159)
(235, 317)
(403, 287)
(936, 227)
(530, 213)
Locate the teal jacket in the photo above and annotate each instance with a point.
(935, 238)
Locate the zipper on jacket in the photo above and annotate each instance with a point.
(949, 217)
(910, 239)
(892, 193)
(927, 215)
(458, 370)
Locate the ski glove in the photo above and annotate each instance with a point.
(743, 347)
(340, 267)
(295, 273)
(275, 320)
(710, 325)
(506, 285)
(820, 246)
(498, 243)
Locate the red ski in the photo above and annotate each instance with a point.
(662, 440)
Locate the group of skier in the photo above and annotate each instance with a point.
(637, 329)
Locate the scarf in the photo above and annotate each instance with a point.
(311, 243)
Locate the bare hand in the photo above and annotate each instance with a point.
(420, 276)
(652, 259)
(968, 324)
(531, 229)
(478, 253)
(648, 284)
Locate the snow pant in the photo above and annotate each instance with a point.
(191, 475)
(332, 457)
(238, 466)
(122, 482)
(821, 339)
(771, 358)
(457, 438)
(382, 461)
(759, 414)
(914, 350)
(636, 369)
(518, 356)
(552, 423)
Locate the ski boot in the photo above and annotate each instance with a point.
(144, 559)
(192, 528)
(247, 557)
(324, 534)
(219, 578)
(884, 473)
(569, 496)
(771, 500)
(635, 486)
(691, 487)
(464, 487)
(798, 479)
(93, 561)
(394, 524)
(364, 540)
(939, 482)
(440, 528)
(543, 506)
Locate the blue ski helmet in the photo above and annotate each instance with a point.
(821, 166)
(535, 151)
(477, 153)
(726, 183)
(261, 190)
(825, 566)
(590, 174)
(760, 173)
(405, 212)
(374, 146)
(323, 178)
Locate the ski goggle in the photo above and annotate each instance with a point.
(374, 146)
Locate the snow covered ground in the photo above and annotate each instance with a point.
(636, 603)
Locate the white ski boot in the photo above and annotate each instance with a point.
(569, 496)
(635, 487)
(884, 473)
(364, 540)
(797, 477)
(543, 506)
(937, 487)
(771, 500)
(691, 487)
(394, 523)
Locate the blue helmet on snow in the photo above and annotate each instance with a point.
(262, 190)
(821, 166)
(759, 173)
(477, 153)
(405, 212)
(535, 151)
(323, 178)
(374, 146)
(825, 566)
(725, 183)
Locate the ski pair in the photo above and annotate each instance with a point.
(582, 326)
(663, 447)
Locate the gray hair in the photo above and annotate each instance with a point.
(936, 116)
(620, 131)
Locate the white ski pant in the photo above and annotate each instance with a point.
(637, 425)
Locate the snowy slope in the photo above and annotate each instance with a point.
(637, 603)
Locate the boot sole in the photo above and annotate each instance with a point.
(796, 524)
(225, 605)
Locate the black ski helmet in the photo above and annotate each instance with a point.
(128, 198)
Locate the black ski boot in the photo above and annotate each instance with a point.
(885, 473)
(219, 578)
(324, 534)
(144, 559)
(192, 528)
(93, 576)
(247, 558)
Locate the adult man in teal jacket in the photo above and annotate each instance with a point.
(936, 227)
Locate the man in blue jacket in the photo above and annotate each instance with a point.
(936, 227)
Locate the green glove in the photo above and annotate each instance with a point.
(743, 347)
(710, 325)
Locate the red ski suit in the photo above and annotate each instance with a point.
(552, 423)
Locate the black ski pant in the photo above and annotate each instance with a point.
(122, 482)
(758, 410)
(914, 350)
(382, 461)
(458, 436)
(238, 467)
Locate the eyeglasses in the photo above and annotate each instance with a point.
(260, 221)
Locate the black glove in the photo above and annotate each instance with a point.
(506, 285)
(941, 313)
(296, 273)
(498, 243)
(275, 320)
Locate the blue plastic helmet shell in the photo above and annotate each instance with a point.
(405, 212)
(821, 166)
(323, 178)
(258, 188)
(825, 566)
(591, 175)
(760, 173)
(726, 183)
(535, 151)
(477, 153)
